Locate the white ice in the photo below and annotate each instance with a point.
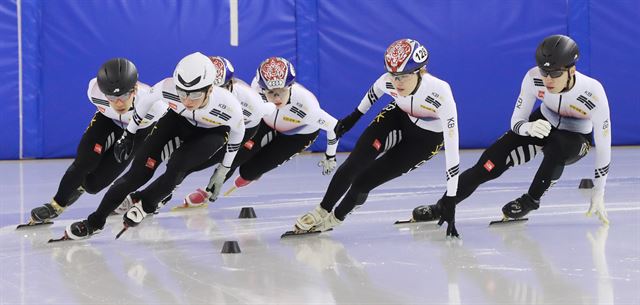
(558, 257)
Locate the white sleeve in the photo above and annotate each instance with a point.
(524, 105)
(323, 120)
(236, 134)
(266, 108)
(373, 95)
(143, 106)
(602, 138)
(449, 117)
(92, 83)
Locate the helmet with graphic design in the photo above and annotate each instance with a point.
(275, 72)
(194, 72)
(117, 76)
(224, 70)
(557, 52)
(405, 56)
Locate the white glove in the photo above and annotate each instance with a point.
(328, 164)
(538, 129)
(216, 181)
(597, 207)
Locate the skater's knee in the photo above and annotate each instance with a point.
(92, 187)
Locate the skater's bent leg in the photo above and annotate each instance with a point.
(562, 148)
(510, 150)
(191, 154)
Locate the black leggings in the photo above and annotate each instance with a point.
(95, 166)
(391, 146)
(219, 156)
(267, 150)
(173, 137)
(560, 148)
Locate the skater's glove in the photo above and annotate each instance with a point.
(597, 207)
(448, 215)
(124, 146)
(216, 181)
(346, 123)
(538, 129)
(328, 164)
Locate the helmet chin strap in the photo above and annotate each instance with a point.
(571, 81)
(417, 84)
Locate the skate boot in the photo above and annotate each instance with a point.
(238, 183)
(126, 204)
(311, 219)
(46, 212)
(327, 223)
(80, 230)
(427, 212)
(135, 215)
(520, 207)
(196, 199)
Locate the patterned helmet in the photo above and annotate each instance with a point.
(224, 70)
(275, 72)
(405, 56)
(194, 72)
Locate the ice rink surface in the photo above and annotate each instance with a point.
(558, 257)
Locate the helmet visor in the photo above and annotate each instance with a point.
(553, 73)
(194, 95)
(123, 97)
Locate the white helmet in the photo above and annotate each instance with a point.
(194, 72)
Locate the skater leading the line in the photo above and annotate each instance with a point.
(574, 107)
(115, 92)
(404, 135)
(202, 119)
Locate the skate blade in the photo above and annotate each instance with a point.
(122, 231)
(187, 207)
(400, 222)
(63, 238)
(231, 190)
(302, 233)
(32, 223)
(505, 221)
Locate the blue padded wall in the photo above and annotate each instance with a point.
(75, 37)
(9, 114)
(481, 48)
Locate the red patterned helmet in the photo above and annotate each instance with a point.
(275, 72)
(405, 56)
(224, 70)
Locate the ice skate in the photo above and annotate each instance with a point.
(43, 214)
(423, 213)
(238, 183)
(77, 231)
(196, 199)
(309, 223)
(514, 211)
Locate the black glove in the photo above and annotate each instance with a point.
(346, 123)
(448, 213)
(123, 147)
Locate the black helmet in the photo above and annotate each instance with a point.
(117, 76)
(557, 52)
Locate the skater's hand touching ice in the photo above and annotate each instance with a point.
(448, 215)
(597, 206)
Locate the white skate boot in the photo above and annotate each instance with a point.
(328, 223)
(308, 221)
